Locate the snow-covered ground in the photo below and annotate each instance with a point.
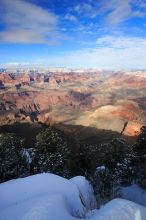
(50, 197)
(134, 193)
(120, 209)
(86, 192)
(39, 194)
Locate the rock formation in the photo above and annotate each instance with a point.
(103, 100)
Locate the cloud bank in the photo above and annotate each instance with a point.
(110, 53)
(27, 23)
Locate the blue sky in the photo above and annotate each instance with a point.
(107, 34)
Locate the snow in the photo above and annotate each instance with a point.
(40, 208)
(120, 209)
(134, 193)
(50, 197)
(86, 192)
(29, 154)
(101, 168)
(24, 194)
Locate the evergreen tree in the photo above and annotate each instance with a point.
(113, 168)
(105, 185)
(52, 153)
(140, 158)
(140, 146)
(13, 163)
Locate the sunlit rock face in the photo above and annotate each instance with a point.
(103, 100)
(11, 78)
(133, 128)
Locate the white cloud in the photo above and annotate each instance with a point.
(114, 11)
(110, 53)
(117, 42)
(120, 11)
(27, 23)
(140, 3)
(13, 64)
(86, 9)
(71, 17)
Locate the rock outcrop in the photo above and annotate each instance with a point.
(97, 99)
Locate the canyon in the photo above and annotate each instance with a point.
(104, 100)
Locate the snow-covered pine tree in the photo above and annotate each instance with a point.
(51, 154)
(13, 163)
(140, 158)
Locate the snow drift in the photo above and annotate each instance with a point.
(134, 193)
(120, 209)
(43, 193)
(50, 197)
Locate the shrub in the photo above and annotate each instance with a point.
(13, 163)
(52, 153)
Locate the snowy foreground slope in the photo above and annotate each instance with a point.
(50, 197)
(134, 193)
